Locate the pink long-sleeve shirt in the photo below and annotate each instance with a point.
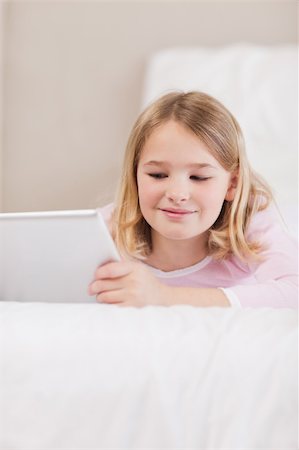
(271, 282)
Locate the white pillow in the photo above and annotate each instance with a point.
(258, 85)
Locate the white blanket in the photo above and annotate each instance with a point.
(76, 376)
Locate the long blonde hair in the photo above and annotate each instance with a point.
(212, 123)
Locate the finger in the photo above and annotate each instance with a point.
(99, 286)
(113, 270)
(111, 297)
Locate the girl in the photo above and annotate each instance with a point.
(194, 223)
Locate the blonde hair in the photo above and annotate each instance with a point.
(208, 119)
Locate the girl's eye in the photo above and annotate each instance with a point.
(161, 175)
(197, 178)
(157, 175)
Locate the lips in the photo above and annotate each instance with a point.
(178, 212)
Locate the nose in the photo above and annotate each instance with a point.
(177, 195)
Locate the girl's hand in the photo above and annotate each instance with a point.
(127, 283)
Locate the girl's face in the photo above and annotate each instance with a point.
(181, 186)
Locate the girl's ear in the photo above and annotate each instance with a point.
(230, 193)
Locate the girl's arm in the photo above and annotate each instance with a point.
(197, 297)
(132, 284)
(276, 274)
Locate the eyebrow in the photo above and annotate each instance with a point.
(193, 165)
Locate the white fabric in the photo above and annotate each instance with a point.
(85, 377)
(258, 84)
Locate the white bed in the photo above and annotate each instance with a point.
(91, 376)
(77, 376)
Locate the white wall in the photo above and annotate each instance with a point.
(73, 81)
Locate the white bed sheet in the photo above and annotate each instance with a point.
(77, 376)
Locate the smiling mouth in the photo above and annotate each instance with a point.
(177, 212)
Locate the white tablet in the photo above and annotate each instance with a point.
(52, 256)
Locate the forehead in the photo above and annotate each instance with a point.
(173, 142)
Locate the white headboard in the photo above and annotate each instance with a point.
(258, 85)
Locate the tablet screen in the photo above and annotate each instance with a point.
(52, 256)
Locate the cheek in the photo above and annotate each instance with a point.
(148, 191)
(212, 195)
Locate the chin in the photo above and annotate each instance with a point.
(179, 236)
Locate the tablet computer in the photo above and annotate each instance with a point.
(52, 256)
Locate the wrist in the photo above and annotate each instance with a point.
(203, 297)
(168, 294)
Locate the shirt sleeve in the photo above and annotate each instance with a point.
(276, 274)
(231, 297)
